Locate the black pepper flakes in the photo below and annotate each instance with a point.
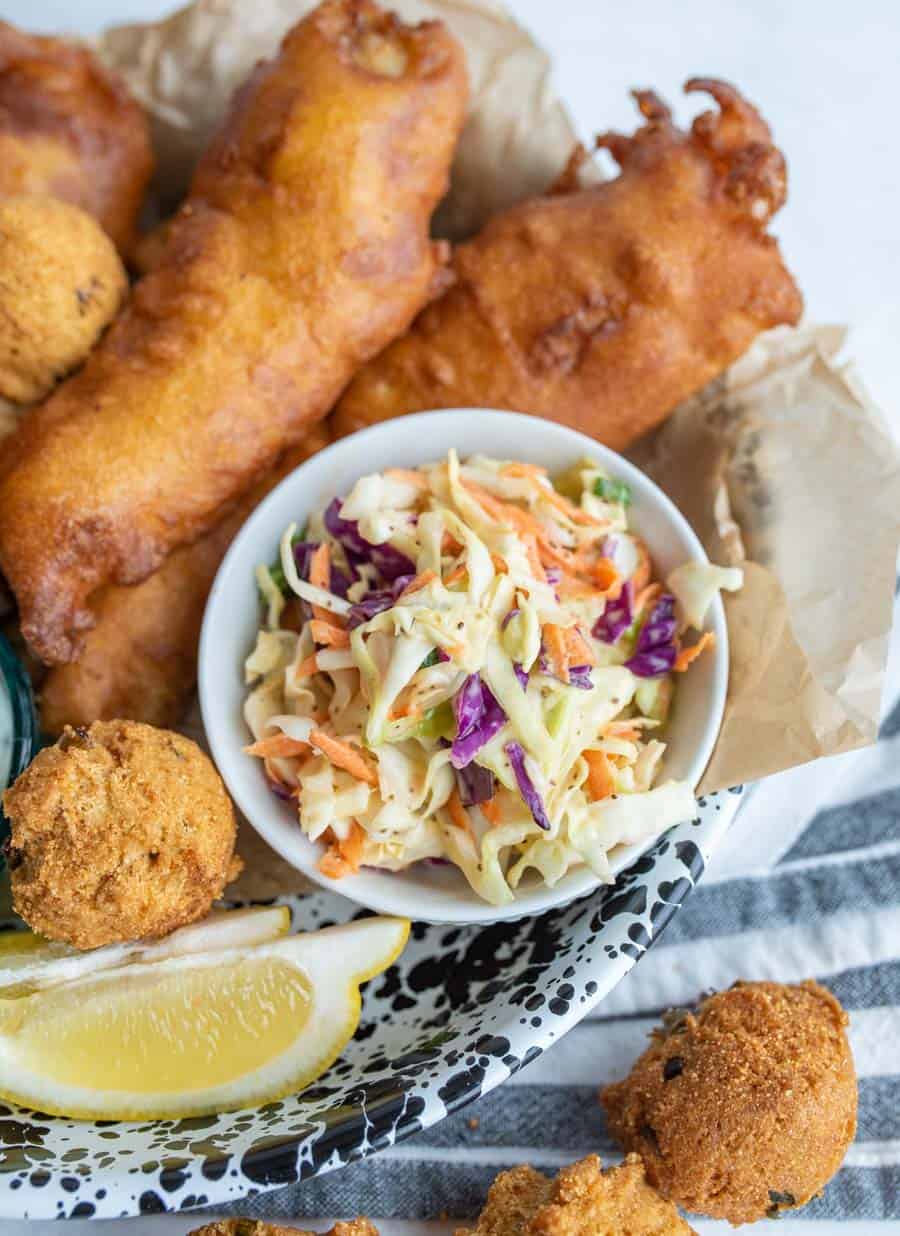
(672, 1068)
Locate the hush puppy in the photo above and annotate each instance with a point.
(256, 1227)
(745, 1107)
(119, 832)
(61, 283)
(581, 1201)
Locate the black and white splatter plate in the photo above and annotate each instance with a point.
(462, 1009)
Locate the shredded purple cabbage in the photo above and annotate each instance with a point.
(388, 561)
(660, 626)
(653, 662)
(580, 676)
(616, 617)
(554, 575)
(475, 784)
(655, 651)
(279, 789)
(521, 674)
(371, 604)
(442, 656)
(338, 582)
(478, 719)
(532, 798)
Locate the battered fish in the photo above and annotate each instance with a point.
(582, 1201)
(70, 129)
(255, 1227)
(140, 660)
(302, 250)
(604, 308)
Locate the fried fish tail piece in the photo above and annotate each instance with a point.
(301, 251)
(70, 130)
(603, 308)
(140, 660)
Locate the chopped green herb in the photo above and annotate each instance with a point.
(277, 571)
(612, 491)
(438, 722)
(431, 659)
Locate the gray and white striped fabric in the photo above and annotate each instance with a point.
(808, 884)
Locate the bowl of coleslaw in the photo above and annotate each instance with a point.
(464, 666)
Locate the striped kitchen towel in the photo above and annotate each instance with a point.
(807, 884)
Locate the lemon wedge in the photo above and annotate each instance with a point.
(194, 1034)
(29, 962)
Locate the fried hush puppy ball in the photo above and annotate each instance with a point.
(119, 832)
(583, 1200)
(745, 1107)
(61, 283)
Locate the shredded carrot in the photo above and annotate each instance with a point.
(320, 577)
(551, 555)
(342, 755)
(332, 865)
(534, 561)
(351, 847)
(499, 564)
(555, 642)
(646, 597)
(307, 668)
(407, 475)
(578, 649)
(522, 469)
(416, 585)
(325, 633)
(687, 656)
(599, 779)
(641, 577)
(491, 810)
(450, 545)
(622, 729)
(575, 513)
(405, 706)
(604, 574)
(575, 589)
(278, 747)
(455, 575)
(458, 813)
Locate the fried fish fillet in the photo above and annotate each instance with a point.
(140, 660)
(582, 1201)
(603, 308)
(302, 250)
(70, 129)
(255, 1227)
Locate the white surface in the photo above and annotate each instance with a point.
(825, 73)
(435, 894)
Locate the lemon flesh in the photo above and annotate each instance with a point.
(160, 1031)
(193, 1034)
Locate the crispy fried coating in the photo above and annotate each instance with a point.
(255, 1227)
(582, 1201)
(301, 251)
(61, 286)
(140, 660)
(746, 1107)
(604, 308)
(69, 129)
(119, 832)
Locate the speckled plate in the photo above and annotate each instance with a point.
(463, 1009)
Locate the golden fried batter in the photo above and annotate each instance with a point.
(604, 308)
(747, 1106)
(255, 1227)
(61, 284)
(140, 660)
(70, 129)
(119, 832)
(582, 1201)
(302, 250)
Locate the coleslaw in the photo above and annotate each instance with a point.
(471, 663)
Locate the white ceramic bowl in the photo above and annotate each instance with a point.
(431, 892)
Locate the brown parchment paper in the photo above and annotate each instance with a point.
(782, 466)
